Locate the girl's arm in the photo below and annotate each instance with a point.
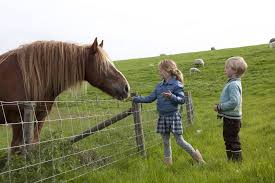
(148, 99)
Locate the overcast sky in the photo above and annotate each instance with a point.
(141, 28)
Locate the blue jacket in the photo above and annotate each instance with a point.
(165, 106)
(231, 99)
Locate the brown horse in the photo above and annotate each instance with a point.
(40, 71)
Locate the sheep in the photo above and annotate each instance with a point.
(199, 62)
(272, 40)
(272, 44)
(194, 70)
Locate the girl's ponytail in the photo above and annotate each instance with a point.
(178, 75)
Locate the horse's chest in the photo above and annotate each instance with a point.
(2, 120)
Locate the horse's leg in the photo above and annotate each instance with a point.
(40, 117)
(13, 117)
(17, 137)
(37, 130)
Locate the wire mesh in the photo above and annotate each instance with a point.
(54, 157)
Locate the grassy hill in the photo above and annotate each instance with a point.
(257, 132)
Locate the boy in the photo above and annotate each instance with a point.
(230, 107)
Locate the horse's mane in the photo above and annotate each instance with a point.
(54, 66)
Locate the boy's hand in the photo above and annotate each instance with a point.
(167, 94)
(217, 107)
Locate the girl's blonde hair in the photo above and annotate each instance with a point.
(237, 64)
(171, 67)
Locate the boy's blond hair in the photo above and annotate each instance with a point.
(171, 67)
(237, 64)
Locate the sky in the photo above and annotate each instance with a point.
(141, 28)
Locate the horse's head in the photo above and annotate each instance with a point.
(101, 73)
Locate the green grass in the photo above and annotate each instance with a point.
(257, 132)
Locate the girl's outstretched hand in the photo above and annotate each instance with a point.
(129, 99)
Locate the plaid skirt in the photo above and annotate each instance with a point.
(167, 124)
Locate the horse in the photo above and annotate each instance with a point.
(41, 70)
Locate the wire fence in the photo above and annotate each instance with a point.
(54, 157)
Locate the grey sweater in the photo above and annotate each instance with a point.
(231, 99)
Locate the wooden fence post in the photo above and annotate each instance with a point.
(136, 108)
(189, 108)
(28, 125)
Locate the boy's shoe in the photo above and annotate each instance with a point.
(198, 157)
(237, 156)
(168, 161)
(229, 155)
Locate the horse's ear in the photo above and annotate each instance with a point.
(94, 46)
(101, 44)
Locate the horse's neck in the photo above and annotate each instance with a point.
(59, 92)
(70, 80)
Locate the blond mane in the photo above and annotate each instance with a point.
(51, 66)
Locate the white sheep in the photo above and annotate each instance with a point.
(194, 70)
(271, 40)
(199, 62)
(272, 44)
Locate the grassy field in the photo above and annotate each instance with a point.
(257, 132)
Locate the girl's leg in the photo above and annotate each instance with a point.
(167, 149)
(195, 154)
(166, 145)
(184, 144)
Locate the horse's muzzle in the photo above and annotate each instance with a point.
(123, 94)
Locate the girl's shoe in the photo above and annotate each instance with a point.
(168, 161)
(198, 157)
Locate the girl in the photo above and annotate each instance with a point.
(169, 94)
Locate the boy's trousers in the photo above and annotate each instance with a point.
(231, 129)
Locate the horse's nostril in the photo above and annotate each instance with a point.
(126, 88)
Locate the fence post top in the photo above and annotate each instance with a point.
(186, 93)
(28, 104)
